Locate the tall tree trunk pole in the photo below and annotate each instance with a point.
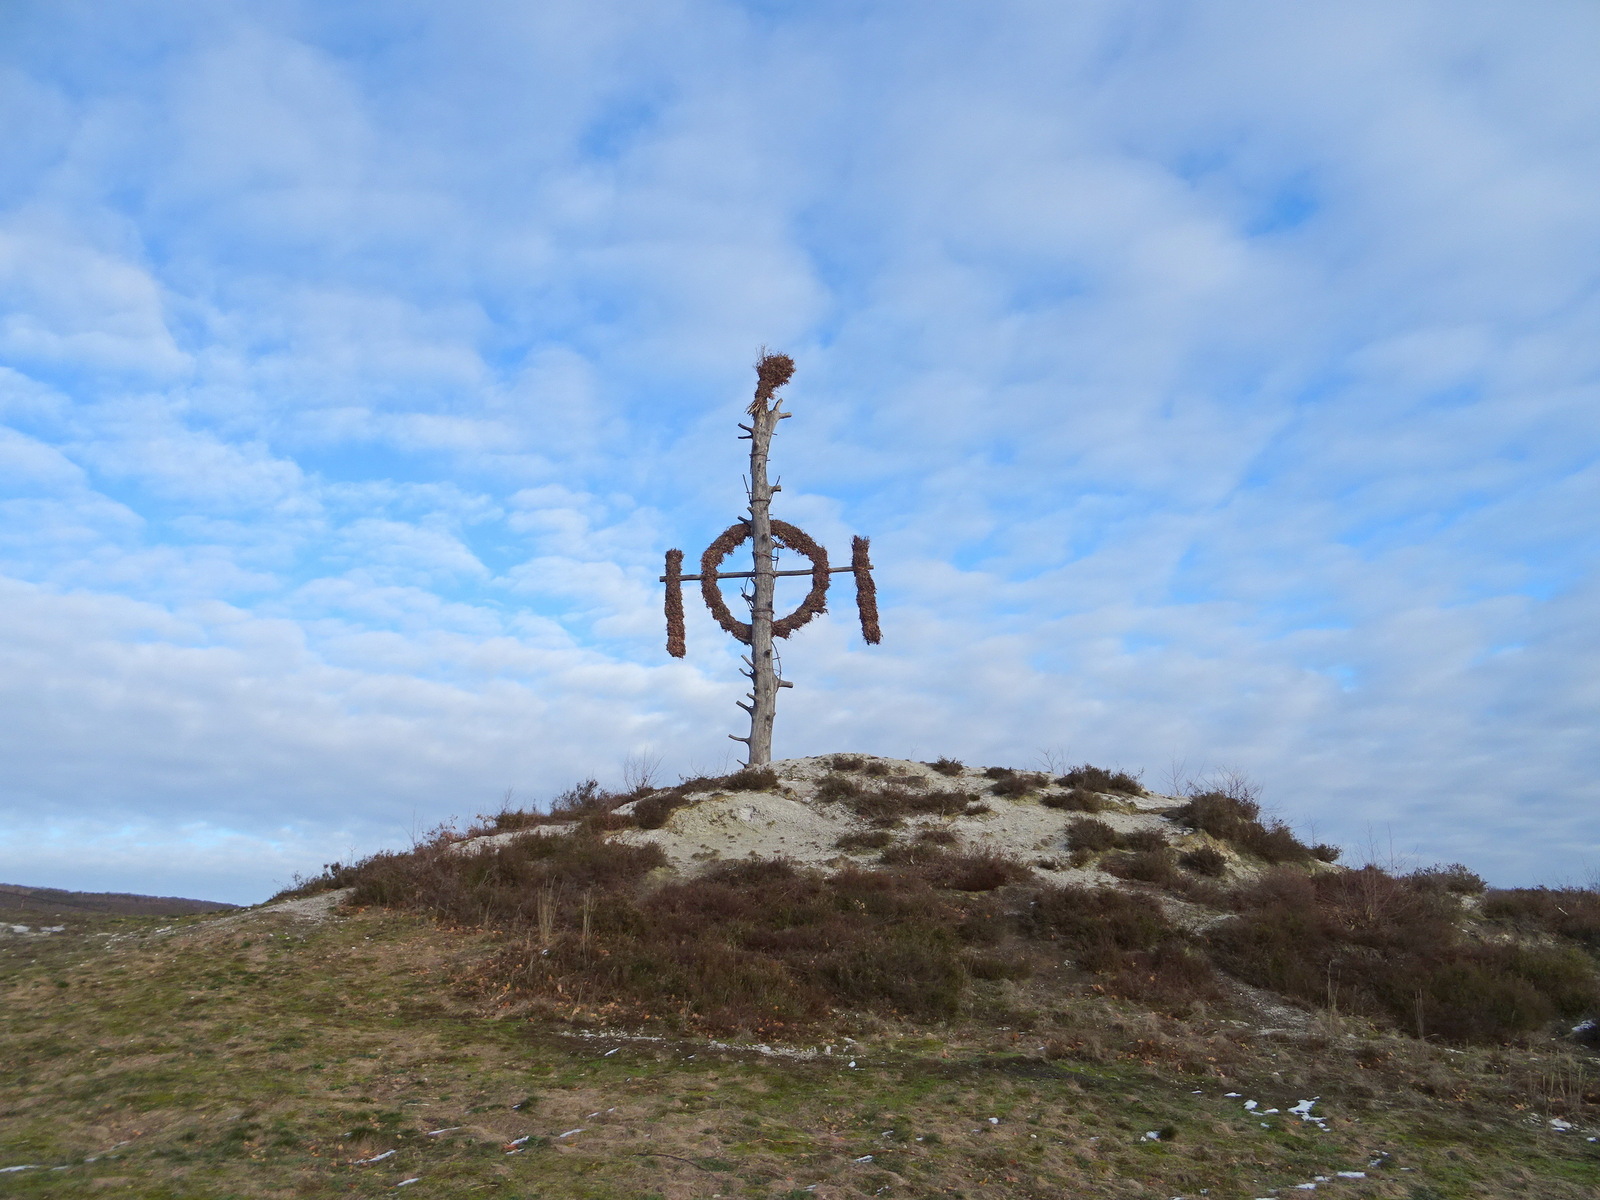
(763, 669)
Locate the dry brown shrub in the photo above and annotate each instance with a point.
(1097, 926)
(1098, 779)
(838, 788)
(979, 871)
(1568, 912)
(1205, 860)
(760, 946)
(1172, 978)
(1393, 949)
(1144, 839)
(1237, 820)
(888, 805)
(1076, 800)
(1155, 867)
(991, 965)
(752, 779)
(1018, 783)
(1093, 836)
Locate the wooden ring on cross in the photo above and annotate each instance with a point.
(790, 538)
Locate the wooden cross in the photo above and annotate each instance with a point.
(765, 534)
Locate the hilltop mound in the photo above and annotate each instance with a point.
(771, 902)
(832, 811)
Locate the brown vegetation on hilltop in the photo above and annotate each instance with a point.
(1098, 779)
(887, 805)
(1567, 912)
(1075, 800)
(772, 946)
(1237, 819)
(1395, 948)
(767, 946)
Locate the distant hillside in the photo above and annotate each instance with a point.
(15, 898)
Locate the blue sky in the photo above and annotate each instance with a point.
(1216, 381)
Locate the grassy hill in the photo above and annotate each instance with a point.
(547, 1006)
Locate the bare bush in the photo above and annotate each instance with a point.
(639, 772)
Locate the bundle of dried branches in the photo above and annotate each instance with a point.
(772, 372)
(866, 590)
(675, 631)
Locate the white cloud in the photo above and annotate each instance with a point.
(64, 302)
(1215, 384)
(30, 463)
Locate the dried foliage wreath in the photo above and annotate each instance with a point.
(816, 601)
(724, 545)
(790, 538)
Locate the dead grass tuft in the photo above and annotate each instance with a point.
(752, 779)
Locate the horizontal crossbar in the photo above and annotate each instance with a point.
(750, 574)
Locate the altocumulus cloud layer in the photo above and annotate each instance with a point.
(1218, 383)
